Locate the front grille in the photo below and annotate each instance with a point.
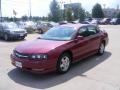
(19, 32)
(21, 55)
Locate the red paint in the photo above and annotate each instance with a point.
(79, 49)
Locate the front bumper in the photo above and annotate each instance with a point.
(42, 66)
(14, 36)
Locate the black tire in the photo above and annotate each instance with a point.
(22, 38)
(101, 49)
(6, 37)
(40, 31)
(63, 68)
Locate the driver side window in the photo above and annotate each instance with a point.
(92, 30)
(83, 32)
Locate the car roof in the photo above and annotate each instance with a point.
(76, 26)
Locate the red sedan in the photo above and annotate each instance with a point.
(59, 47)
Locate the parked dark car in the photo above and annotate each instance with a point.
(42, 27)
(94, 21)
(59, 47)
(11, 31)
(115, 21)
(105, 21)
(85, 22)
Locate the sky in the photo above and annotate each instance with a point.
(41, 7)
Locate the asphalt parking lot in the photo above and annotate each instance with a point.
(93, 73)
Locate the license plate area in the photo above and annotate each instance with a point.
(21, 34)
(18, 64)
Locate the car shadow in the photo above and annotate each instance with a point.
(53, 79)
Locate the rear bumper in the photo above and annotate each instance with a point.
(40, 67)
(106, 41)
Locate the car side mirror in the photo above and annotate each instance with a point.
(80, 37)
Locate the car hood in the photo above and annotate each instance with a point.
(16, 29)
(39, 46)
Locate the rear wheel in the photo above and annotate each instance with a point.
(101, 49)
(64, 63)
(22, 38)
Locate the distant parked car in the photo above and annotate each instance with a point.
(105, 21)
(59, 47)
(115, 21)
(85, 22)
(11, 31)
(94, 21)
(63, 22)
(75, 22)
(21, 24)
(30, 24)
(44, 26)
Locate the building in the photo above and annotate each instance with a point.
(111, 12)
(72, 5)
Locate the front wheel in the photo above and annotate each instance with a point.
(64, 63)
(101, 49)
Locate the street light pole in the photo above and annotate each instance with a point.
(0, 12)
(70, 2)
(30, 9)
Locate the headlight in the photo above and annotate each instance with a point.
(39, 56)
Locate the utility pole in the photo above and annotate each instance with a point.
(62, 9)
(0, 12)
(104, 5)
(30, 9)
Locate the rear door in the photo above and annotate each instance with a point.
(94, 38)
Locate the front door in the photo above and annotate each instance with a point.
(94, 38)
(81, 47)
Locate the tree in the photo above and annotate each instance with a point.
(97, 11)
(118, 15)
(76, 10)
(81, 14)
(55, 11)
(69, 15)
(24, 18)
(88, 14)
(49, 17)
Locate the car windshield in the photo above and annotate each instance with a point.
(59, 33)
